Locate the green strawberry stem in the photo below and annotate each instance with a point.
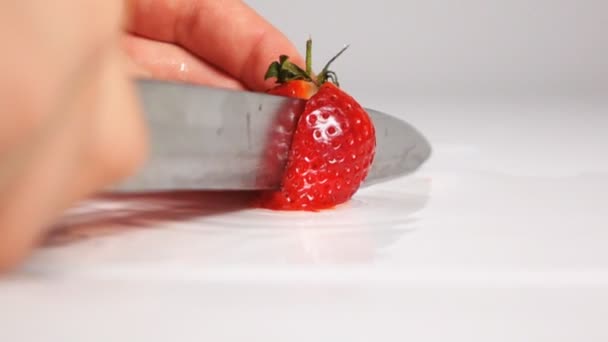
(309, 56)
(327, 74)
(284, 70)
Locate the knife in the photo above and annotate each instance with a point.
(207, 138)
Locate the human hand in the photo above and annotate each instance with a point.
(71, 123)
(221, 43)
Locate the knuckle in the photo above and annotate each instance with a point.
(121, 147)
(119, 156)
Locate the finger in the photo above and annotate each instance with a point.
(167, 61)
(45, 176)
(116, 132)
(228, 34)
(99, 141)
(47, 72)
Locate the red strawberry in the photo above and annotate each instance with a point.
(333, 146)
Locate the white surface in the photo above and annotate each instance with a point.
(502, 236)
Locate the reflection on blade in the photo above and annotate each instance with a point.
(278, 143)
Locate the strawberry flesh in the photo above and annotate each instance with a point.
(298, 88)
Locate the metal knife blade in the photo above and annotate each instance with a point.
(209, 138)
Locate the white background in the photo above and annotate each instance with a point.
(409, 47)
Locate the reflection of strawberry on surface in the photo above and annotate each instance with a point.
(334, 143)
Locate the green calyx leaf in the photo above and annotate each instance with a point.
(284, 70)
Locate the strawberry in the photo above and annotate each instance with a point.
(297, 88)
(333, 146)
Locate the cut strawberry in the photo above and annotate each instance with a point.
(334, 143)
